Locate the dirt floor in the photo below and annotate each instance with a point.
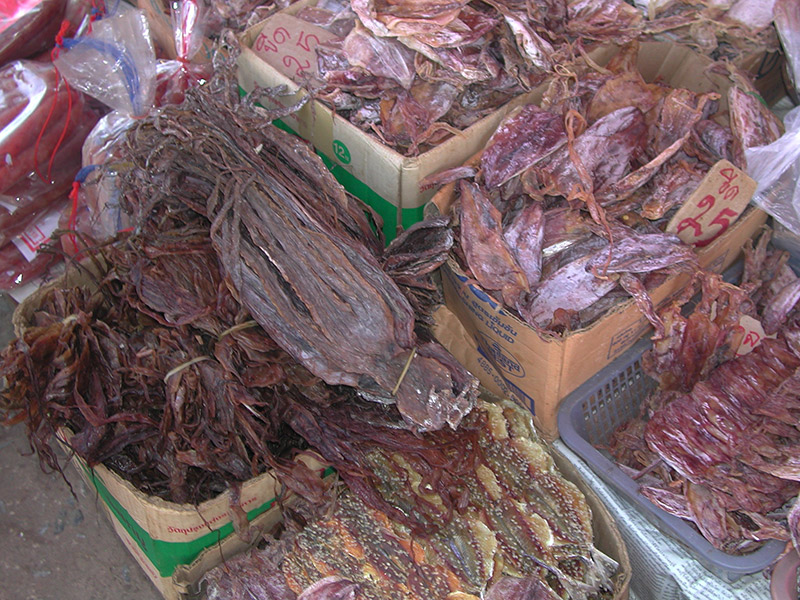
(53, 545)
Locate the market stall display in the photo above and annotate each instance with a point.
(228, 307)
(716, 455)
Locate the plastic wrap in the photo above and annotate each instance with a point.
(776, 168)
(103, 142)
(94, 213)
(21, 259)
(114, 63)
(28, 27)
(787, 22)
(176, 76)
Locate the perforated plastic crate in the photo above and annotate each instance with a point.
(589, 416)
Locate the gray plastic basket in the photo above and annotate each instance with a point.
(590, 415)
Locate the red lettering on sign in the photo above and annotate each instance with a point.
(264, 44)
(723, 221)
(305, 41)
(291, 61)
(752, 339)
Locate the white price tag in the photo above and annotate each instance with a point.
(29, 241)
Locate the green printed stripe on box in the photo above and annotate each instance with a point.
(165, 556)
(385, 209)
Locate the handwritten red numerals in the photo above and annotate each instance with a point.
(285, 43)
(752, 333)
(703, 230)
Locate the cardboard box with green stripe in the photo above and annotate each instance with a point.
(163, 536)
(383, 178)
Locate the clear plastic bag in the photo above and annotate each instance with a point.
(94, 213)
(176, 76)
(787, 22)
(115, 62)
(776, 169)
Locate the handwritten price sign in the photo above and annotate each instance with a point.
(714, 206)
(752, 334)
(288, 45)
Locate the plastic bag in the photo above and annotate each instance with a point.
(776, 169)
(28, 27)
(176, 76)
(94, 213)
(38, 113)
(20, 204)
(787, 22)
(114, 63)
(22, 259)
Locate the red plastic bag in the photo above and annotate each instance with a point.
(38, 113)
(28, 27)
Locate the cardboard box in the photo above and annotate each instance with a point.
(539, 370)
(163, 535)
(766, 69)
(607, 539)
(160, 535)
(383, 178)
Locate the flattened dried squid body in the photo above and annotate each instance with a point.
(517, 516)
(525, 237)
(752, 123)
(584, 289)
(487, 251)
(794, 523)
(523, 138)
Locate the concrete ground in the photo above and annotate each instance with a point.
(52, 545)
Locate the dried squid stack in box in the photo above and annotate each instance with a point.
(414, 73)
(563, 216)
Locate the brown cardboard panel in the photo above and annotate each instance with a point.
(288, 45)
(721, 197)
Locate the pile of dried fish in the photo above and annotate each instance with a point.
(719, 442)
(500, 524)
(153, 370)
(563, 216)
(176, 363)
(297, 252)
(414, 72)
(733, 30)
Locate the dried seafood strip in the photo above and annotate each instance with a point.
(484, 498)
(413, 72)
(592, 176)
(719, 440)
(290, 246)
(512, 513)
